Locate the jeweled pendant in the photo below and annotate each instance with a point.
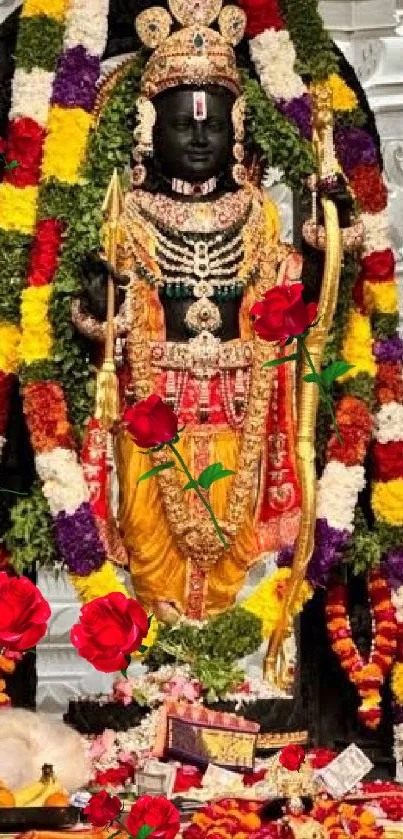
(203, 315)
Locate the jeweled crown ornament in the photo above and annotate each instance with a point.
(196, 54)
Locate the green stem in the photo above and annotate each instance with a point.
(324, 394)
(198, 492)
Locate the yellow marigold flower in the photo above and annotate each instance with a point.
(18, 208)
(66, 143)
(266, 601)
(36, 341)
(387, 502)
(381, 297)
(98, 584)
(397, 683)
(344, 99)
(51, 8)
(10, 337)
(357, 346)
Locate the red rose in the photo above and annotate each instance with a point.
(157, 813)
(151, 422)
(283, 314)
(110, 629)
(261, 15)
(292, 758)
(24, 613)
(102, 809)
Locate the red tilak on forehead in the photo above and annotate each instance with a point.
(199, 105)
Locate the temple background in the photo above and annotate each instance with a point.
(370, 33)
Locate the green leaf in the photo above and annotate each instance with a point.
(142, 649)
(145, 831)
(334, 371)
(150, 618)
(128, 662)
(312, 377)
(282, 360)
(214, 472)
(12, 165)
(189, 485)
(161, 468)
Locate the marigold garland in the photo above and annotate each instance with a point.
(266, 600)
(368, 675)
(342, 820)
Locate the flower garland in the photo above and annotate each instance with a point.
(34, 73)
(79, 541)
(367, 675)
(342, 821)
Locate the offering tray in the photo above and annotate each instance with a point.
(23, 819)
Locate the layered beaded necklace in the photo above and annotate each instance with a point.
(199, 265)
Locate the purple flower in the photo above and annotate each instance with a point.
(354, 147)
(76, 78)
(285, 557)
(299, 110)
(389, 350)
(329, 545)
(78, 541)
(393, 568)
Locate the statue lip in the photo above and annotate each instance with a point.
(199, 155)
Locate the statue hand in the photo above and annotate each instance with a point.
(343, 201)
(95, 273)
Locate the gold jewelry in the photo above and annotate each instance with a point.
(239, 171)
(143, 138)
(196, 537)
(195, 54)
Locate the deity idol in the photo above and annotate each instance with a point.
(198, 245)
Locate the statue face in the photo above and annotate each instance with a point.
(188, 148)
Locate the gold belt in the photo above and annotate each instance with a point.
(203, 356)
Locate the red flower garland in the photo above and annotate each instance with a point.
(367, 675)
(388, 461)
(346, 820)
(261, 15)
(379, 266)
(389, 383)
(46, 416)
(25, 141)
(355, 425)
(45, 252)
(369, 188)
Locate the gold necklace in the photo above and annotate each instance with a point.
(197, 539)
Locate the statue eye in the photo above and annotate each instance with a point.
(182, 123)
(215, 124)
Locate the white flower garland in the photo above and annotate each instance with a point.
(389, 423)
(338, 491)
(31, 94)
(87, 25)
(63, 481)
(273, 54)
(376, 227)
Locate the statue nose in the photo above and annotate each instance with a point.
(200, 133)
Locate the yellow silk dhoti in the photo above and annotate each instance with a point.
(159, 571)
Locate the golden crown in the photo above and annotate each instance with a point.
(196, 54)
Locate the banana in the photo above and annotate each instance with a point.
(35, 794)
(25, 795)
